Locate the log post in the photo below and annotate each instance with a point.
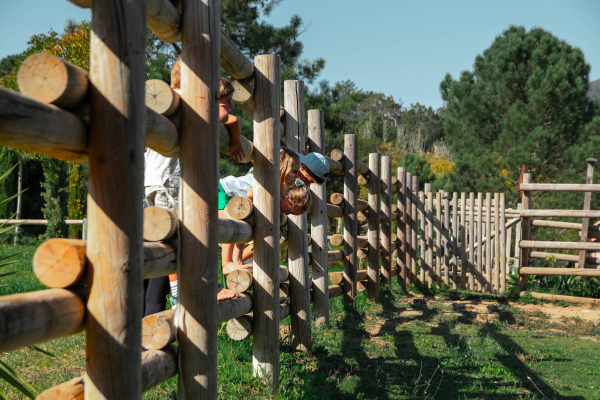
(414, 245)
(462, 229)
(454, 238)
(479, 240)
(374, 223)
(350, 218)
(401, 226)
(116, 162)
(446, 240)
(587, 199)
(266, 203)
(498, 224)
(428, 234)
(386, 222)
(488, 243)
(502, 266)
(471, 238)
(318, 224)
(421, 209)
(197, 312)
(297, 226)
(525, 233)
(408, 228)
(438, 238)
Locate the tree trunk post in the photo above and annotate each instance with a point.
(428, 234)
(20, 196)
(502, 255)
(462, 229)
(454, 237)
(414, 245)
(318, 224)
(497, 240)
(525, 233)
(480, 262)
(401, 227)
(116, 159)
(386, 218)
(350, 218)
(408, 228)
(446, 240)
(439, 252)
(297, 226)
(421, 208)
(471, 238)
(198, 217)
(488, 243)
(266, 217)
(587, 199)
(374, 224)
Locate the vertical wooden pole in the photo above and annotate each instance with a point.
(197, 316)
(508, 243)
(414, 245)
(266, 217)
(496, 243)
(587, 200)
(446, 240)
(350, 221)
(525, 232)
(386, 216)
(518, 229)
(471, 239)
(427, 234)
(455, 240)
(462, 229)
(401, 227)
(479, 262)
(502, 248)
(114, 249)
(438, 235)
(297, 227)
(375, 165)
(318, 224)
(488, 243)
(421, 209)
(408, 231)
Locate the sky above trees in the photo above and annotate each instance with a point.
(400, 48)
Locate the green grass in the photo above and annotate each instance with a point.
(402, 348)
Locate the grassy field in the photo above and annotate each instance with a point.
(451, 346)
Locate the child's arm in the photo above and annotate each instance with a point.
(236, 152)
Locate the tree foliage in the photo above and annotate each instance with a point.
(524, 103)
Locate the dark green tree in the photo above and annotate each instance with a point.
(524, 103)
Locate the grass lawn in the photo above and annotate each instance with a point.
(454, 346)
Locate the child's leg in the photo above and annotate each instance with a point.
(237, 253)
(248, 252)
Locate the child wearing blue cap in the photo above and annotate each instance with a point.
(314, 168)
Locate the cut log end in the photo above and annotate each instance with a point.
(239, 328)
(240, 280)
(240, 208)
(160, 224)
(161, 98)
(337, 155)
(60, 263)
(336, 240)
(157, 331)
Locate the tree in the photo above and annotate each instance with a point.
(524, 103)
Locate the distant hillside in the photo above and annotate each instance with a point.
(594, 91)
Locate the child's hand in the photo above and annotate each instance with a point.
(236, 152)
(306, 151)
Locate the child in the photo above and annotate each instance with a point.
(161, 181)
(314, 169)
(296, 201)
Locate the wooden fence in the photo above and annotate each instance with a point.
(459, 241)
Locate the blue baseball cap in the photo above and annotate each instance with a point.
(317, 164)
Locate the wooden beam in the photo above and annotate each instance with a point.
(318, 225)
(526, 213)
(350, 218)
(401, 227)
(563, 257)
(241, 327)
(241, 280)
(558, 297)
(197, 273)
(586, 206)
(374, 206)
(533, 244)
(338, 200)
(386, 221)
(266, 199)
(561, 187)
(564, 225)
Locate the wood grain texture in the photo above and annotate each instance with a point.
(488, 244)
(386, 221)
(374, 205)
(561, 187)
(525, 233)
(30, 318)
(161, 98)
(471, 238)
(350, 218)
(587, 199)
(297, 226)
(266, 202)
(408, 228)
(240, 208)
(563, 257)
(496, 244)
(479, 262)
(462, 231)
(414, 244)
(59, 263)
(534, 244)
(428, 234)
(160, 224)
(454, 240)
(401, 227)
(318, 225)
(439, 250)
(197, 303)
(502, 248)
(114, 215)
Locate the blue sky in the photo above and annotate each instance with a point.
(402, 48)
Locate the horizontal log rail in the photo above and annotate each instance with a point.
(31, 318)
(559, 187)
(241, 280)
(563, 257)
(241, 327)
(37, 221)
(159, 329)
(563, 225)
(559, 271)
(561, 213)
(555, 297)
(157, 366)
(533, 244)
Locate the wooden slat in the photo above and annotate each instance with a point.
(526, 213)
(560, 271)
(560, 187)
(401, 227)
(533, 244)
(374, 224)
(350, 218)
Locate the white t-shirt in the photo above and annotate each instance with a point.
(161, 170)
(237, 186)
